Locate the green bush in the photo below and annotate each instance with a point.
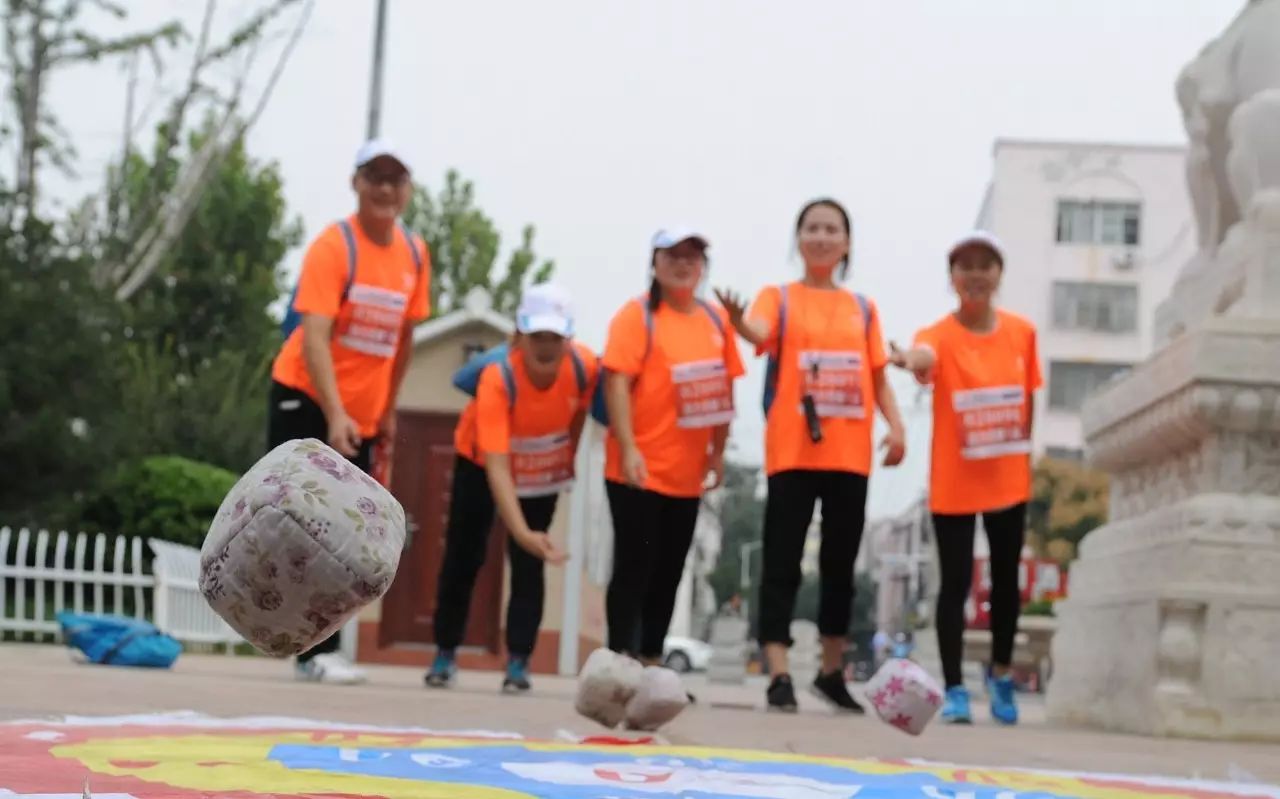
(1039, 607)
(165, 497)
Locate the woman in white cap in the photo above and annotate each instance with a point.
(983, 365)
(670, 365)
(824, 382)
(516, 443)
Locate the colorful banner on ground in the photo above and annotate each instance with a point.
(149, 759)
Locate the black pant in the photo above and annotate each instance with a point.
(651, 537)
(788, 512)
(471, 510)
(291, 415)
(1006, 531)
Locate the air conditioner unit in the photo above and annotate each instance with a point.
(1125, 261)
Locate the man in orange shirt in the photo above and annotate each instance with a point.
(363, 287)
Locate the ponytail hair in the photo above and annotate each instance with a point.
(655, 288)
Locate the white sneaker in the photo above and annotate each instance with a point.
(330, 668)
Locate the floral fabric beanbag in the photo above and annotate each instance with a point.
(302, 542)
(904, 695)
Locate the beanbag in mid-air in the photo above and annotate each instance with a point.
(302, 542)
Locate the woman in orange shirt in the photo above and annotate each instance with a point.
(984, 368)
(516, 443)
(824, 381)
(670, 365)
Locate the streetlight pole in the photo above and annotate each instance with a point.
(374, 126)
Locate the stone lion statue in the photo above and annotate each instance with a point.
(1230, 100)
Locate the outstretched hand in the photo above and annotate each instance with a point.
(896, 356)
(733, 304)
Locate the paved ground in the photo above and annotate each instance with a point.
(42, 682)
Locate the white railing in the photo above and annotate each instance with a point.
(34, 588)
(180, 608)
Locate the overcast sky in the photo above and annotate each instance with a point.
(601, 120)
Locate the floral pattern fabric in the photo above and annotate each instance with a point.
(301, 543)
(904, 695)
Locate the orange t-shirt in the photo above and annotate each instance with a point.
(386, 293)
(824, 328)
(982, 390)
(536, 432)
(683, 390)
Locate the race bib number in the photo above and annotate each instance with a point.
(992, 421)
(377, 315)
(835, 384)
(542, 465)
(703, 395)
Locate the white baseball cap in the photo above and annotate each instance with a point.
(980, 237)
(379, 148)
(545, 308)
(670, 237)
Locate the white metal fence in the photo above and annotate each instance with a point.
(35, 587)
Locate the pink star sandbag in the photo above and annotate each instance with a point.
(904, 695)
(302, 542)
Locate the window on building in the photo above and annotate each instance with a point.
(1094, 222)
(1101, 307)
(471, 349)
(1064, 453)
(1071, 381)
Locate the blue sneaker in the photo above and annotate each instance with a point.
(517, 679)
(1004, 708)
(955, 710)
(442, 670)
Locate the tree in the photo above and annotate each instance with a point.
(150, 231)
(1068, 502)
(183, 360)
(53, 384)
(42, 37)
(464, 246)
(741, 522)
(199, 340)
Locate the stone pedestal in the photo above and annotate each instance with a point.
(1173, 623)
(728, 651)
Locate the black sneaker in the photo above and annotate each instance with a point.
(782, 695)
(831, 688)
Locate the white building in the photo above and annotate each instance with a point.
(1095, 235)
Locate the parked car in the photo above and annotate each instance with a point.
(685, 654)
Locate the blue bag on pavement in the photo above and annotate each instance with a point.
(118, 640)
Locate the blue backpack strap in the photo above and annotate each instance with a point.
(579, 368)
(648, 325)
(509, 377)
(413, 246)
(865, 307)
(711, 312)
(774, 361)
(291, 316)
(349, 236)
